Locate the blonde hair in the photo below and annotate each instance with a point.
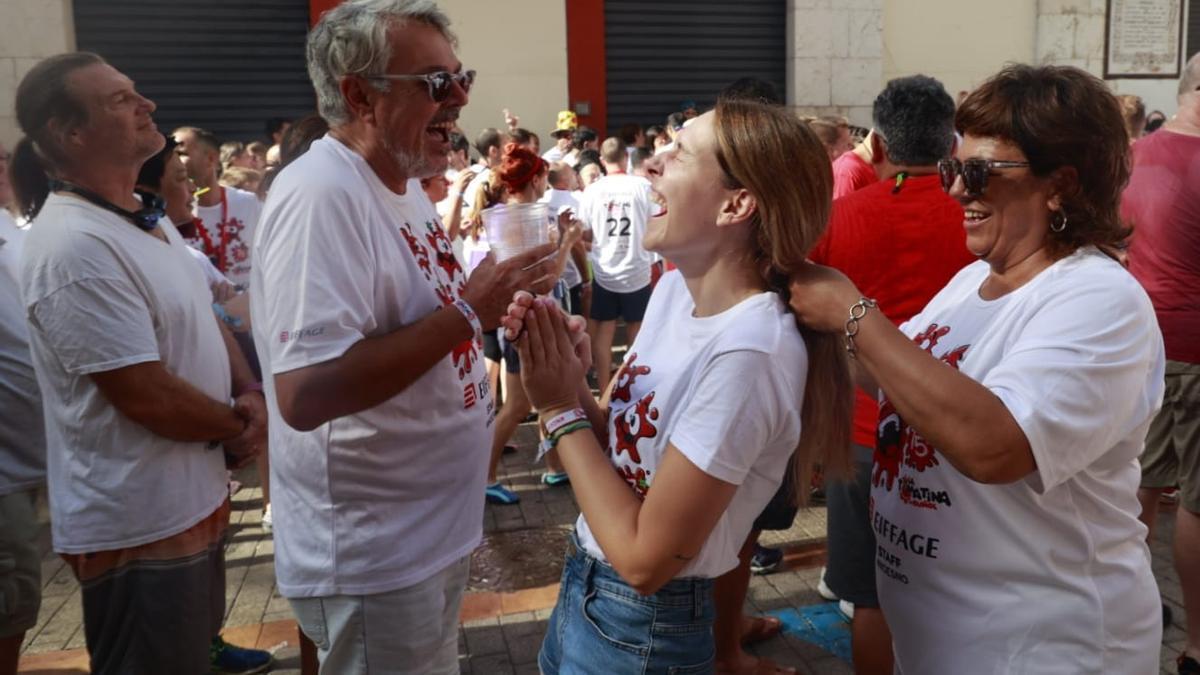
(230, 151)
(754, 141)
(491, 193)
(1134, 113)
(828, 128)
(241, 178)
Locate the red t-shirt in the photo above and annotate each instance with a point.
(899, 248)
(1162, 203)
(851, 174)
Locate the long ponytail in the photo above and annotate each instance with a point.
(775, 156)
(28, 174)
(491, 193)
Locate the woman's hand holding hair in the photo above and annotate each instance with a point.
(821, 297)
(943, 405)
(550, 367)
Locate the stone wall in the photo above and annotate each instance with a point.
(835, 52)
(30, 30)
(1071, 32)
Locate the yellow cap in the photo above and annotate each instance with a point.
(567, 122)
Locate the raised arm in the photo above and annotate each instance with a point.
(648, 542)
(375, 369)
(945, 406)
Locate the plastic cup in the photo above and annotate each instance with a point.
(513, 229)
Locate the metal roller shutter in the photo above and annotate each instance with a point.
(660, 53)
(225, 65)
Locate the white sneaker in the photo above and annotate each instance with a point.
(266, 519)
(847, 609)
(823, 590)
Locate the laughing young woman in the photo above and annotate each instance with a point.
(694, 435)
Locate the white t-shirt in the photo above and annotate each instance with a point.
(1050, 574)
(22, 431)
(212, 276)
(714, 388)
(226, 230)
(101, 295)
(617, 207)
(383, 498)
(557, 201)
(554, 154)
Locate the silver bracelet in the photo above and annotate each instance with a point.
(857, 311)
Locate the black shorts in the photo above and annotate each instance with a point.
(780, 512)
(575, 296)
(609, 305)
(512, 361)
(850, 570)
(491, 345)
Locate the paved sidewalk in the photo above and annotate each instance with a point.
(513, 586)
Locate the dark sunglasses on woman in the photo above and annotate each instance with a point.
(974, 172)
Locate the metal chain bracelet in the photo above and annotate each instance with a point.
(857, 311)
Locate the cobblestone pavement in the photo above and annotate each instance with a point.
(505, 611)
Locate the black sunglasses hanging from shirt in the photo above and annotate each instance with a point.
(145, 218)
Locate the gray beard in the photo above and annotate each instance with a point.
(417, 166)
(413, 166)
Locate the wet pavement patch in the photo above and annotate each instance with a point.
(518, 559)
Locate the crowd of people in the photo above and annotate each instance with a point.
(978, 320)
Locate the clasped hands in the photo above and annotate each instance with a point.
(243, 448)
(555, 351)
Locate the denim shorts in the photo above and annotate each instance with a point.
(602, 626)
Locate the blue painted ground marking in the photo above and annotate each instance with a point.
(822, 625)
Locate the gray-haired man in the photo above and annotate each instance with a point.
(380, 410)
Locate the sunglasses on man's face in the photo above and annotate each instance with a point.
(974, 172)
(439, 83)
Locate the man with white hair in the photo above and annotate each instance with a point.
(1162, 203)
(380, 409)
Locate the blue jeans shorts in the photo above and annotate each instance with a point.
(602, 626)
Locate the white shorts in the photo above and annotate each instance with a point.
(412, 630)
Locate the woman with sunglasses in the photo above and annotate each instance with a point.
(719, 392)
(1015, 405)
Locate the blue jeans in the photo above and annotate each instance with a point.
(602, 626)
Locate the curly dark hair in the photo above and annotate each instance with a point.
(916, 117)
(1061, 116)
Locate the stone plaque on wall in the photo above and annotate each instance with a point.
(1143, 39)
